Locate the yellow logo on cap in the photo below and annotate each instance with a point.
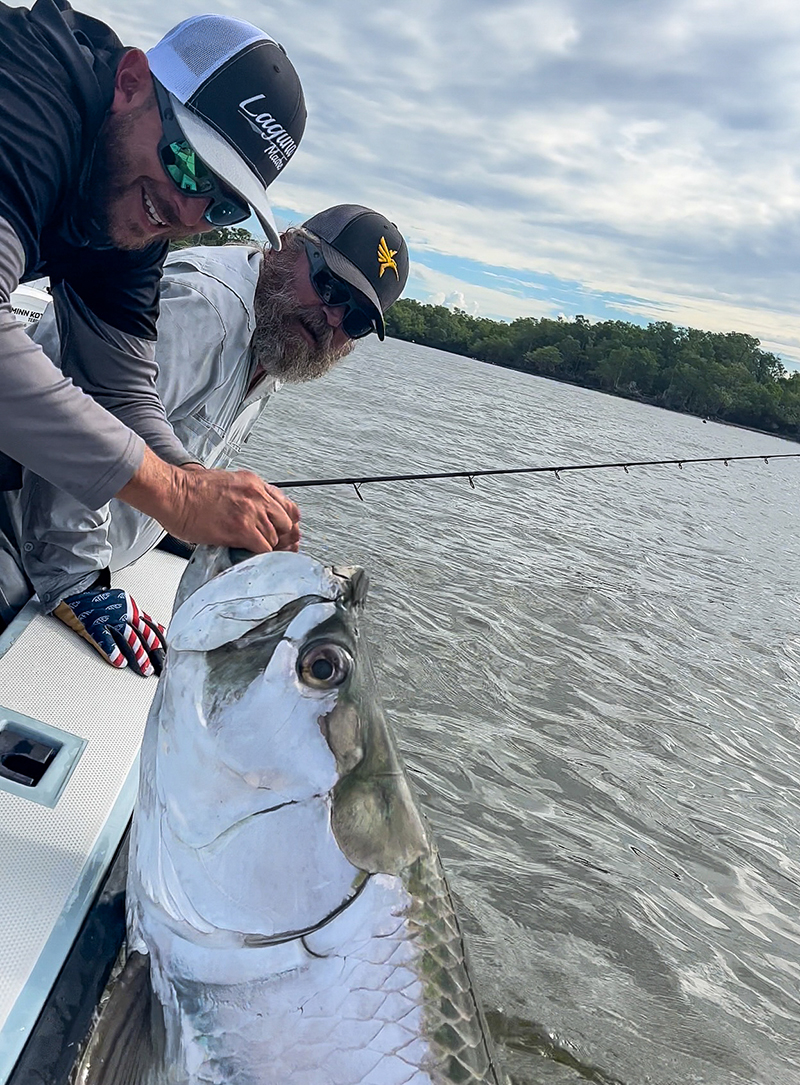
(386, 258)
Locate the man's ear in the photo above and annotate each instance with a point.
(133, 83)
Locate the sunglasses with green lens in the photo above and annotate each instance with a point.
(189, 173)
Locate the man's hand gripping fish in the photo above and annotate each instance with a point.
(288, 919)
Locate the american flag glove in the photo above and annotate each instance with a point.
(113, 624)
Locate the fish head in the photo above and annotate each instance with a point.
(268, 757)
(260, 651)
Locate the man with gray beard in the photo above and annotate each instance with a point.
(236, 322)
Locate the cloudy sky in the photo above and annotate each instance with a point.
(622, 159)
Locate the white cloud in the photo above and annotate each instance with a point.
(639, 149)
(456, 300)
(438, 288)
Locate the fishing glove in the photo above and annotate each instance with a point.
(113, 624)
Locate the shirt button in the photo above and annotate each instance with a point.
(28, 547)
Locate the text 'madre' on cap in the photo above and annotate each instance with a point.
(365, 250)
(237, 99)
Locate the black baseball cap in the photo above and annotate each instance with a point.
(238, 101)
(365, 250)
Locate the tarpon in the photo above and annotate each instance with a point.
(289, 922)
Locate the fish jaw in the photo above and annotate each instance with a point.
(224, 608)
(269, 877)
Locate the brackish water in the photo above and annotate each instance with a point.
(594, 683)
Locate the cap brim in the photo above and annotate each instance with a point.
(229, 166)
(346, 270)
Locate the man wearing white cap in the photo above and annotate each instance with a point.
(107, 154)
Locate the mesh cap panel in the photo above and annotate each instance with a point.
(198, 47)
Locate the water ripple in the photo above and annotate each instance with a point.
(594, 682)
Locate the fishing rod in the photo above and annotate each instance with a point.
(358, 481)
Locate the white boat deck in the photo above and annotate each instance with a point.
(55, 848)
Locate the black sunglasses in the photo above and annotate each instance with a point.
(359, 320)
(189, 173)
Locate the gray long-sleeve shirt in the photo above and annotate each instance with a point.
(54, 428)
(57, 73)
(204, 370)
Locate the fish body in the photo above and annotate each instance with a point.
(289, 921)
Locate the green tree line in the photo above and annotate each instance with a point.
(220, 235)
(724, 376)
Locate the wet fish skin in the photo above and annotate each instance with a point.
(283, 884)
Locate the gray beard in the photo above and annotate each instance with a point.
(277, 348)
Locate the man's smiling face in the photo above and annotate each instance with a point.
(133, 199)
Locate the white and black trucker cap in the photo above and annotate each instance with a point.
(364, 249)
(238, 101)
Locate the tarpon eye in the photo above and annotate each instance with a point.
(324, 666)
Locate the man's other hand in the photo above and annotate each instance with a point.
(217, 508)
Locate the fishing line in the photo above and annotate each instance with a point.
(358, 481)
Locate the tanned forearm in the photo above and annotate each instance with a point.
(219, 508)
(154, 489)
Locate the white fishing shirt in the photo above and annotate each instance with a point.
(205, 367)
